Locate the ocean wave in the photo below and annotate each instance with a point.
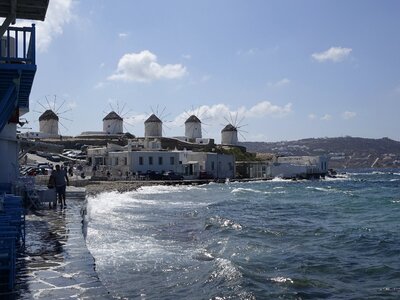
(243, 190)
(280, 279)
(279, 179)
(223, 222)
(225, 269)
(166, 189)
(203, 255)
(321, 189)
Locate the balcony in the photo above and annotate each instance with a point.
(17, 71)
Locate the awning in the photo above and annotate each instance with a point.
(24, 9)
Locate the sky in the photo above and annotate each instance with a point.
(278, 70)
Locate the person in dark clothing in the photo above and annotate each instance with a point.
(61, 181)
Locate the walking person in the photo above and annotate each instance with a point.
(61, 181)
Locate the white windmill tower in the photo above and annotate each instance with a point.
(48, 123)
(50, 117)
(193, 127)
(229, 135)
(153, 127)
(113, 123)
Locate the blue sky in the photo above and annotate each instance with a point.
(287, 69)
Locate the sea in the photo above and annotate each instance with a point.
(335, 238)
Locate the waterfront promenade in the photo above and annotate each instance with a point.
(56, 263)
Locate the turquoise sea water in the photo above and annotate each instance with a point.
(333, 239)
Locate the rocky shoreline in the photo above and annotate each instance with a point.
(98, 187)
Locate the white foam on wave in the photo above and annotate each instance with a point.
(281, 279)
(321, 189)
(244, 190)
(225, 269)
(279, 179)
(166, 189)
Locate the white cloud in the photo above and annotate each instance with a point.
(99, 85)
(267, 108)
(218, 113)
(72, 104)
(205, 78)
(123, 35)
(326, 117)
(334, 54)
(249, 52)
(279, 83)
(348, 115)
(136, 119)
(143, 67)
(59, 13)
(312, 116)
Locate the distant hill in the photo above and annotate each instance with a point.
(344, 152)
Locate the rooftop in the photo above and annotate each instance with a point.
(25, 9)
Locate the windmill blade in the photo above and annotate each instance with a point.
(240, 121)
(66, 129)
(42, 105)
(54, 102)
(241, 126)
(61, 106)
(63, 112)
(242, 135)
(236, 117)
(122, 109)
(65, 118)
(125, 114)
(48, 103)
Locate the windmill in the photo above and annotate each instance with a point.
(115, 122)
(153, 125)
(50, 116)
(229, 134)
(193, 124)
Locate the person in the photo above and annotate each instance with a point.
(61, 181)
(71, 171)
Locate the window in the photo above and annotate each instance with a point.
(160, 160)
(140, 160)
(150, 160)
(172, 160)
(116, 161)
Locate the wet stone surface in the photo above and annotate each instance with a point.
(56, 263)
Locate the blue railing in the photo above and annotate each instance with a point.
(18, 45)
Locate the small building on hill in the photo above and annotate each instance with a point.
(153, 127)
(48, 123)
(113, 123)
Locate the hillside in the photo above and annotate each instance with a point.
(344, 152)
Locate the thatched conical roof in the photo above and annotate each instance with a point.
(153, 119)
(112, 116)
(48, 115)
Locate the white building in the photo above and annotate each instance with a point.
(229, 135)
(187, 163)
(113, 123)
(153, 127)
(48, 123)
(193, 128)
(285, 167)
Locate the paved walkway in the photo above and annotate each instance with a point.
(56, 263)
